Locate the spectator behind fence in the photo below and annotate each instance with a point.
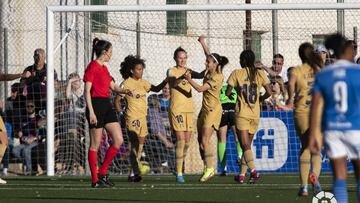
(35, 80)
(164, 99)
(76, 103)
(30, 136)
(160, 138)
(323, 53)
(279, 95)
(14, 113)
(76, 121)
(3, 134)
(15, 107)
(277, 67)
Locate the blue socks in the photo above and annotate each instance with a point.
(340, 191)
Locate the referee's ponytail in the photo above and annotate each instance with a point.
(99, 47)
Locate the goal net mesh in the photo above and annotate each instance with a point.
(155, 36)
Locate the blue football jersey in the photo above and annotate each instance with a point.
(339, 84)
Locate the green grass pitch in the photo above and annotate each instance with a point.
(154, 189)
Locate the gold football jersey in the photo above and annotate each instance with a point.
(211, 97)
(305, 79)
(180, 95)
(248, 100)
(137, 103)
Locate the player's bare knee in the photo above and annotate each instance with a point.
(118, 140)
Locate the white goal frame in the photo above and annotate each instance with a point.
(112, 8)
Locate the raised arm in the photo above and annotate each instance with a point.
(197, 87)
(68, 87)
(272, 73)
(9, 77)
(206, 49)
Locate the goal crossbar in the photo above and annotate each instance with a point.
(187, 7)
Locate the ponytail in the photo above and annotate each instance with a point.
(308, 55)
(220, 60)
(95, 40)
(223, 61)
(247, 60)
(99, 47)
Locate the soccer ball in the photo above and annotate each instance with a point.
(144, 167)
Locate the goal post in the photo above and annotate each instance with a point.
(50, 41)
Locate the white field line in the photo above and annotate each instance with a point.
(143, 189)
(165, 186)
(115, 189)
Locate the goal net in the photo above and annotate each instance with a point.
(154, 35)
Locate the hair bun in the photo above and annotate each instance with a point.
(224, 60)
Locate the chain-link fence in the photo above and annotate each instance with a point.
(153, 35)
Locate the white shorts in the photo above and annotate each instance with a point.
(342, 144)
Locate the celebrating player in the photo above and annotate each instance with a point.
(301, 83)
(181, 108)
(228, 104)
(210, 113)
(248, 81)
(336, 105)
(132, 69)
(99, 111)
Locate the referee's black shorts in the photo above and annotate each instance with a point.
(227, 118)
(103, 110)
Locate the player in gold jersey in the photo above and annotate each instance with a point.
(181, 108)
(248, 82)
(210, 114)
(132, 69)
(301, 83)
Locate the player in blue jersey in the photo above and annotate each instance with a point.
(336, 105)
